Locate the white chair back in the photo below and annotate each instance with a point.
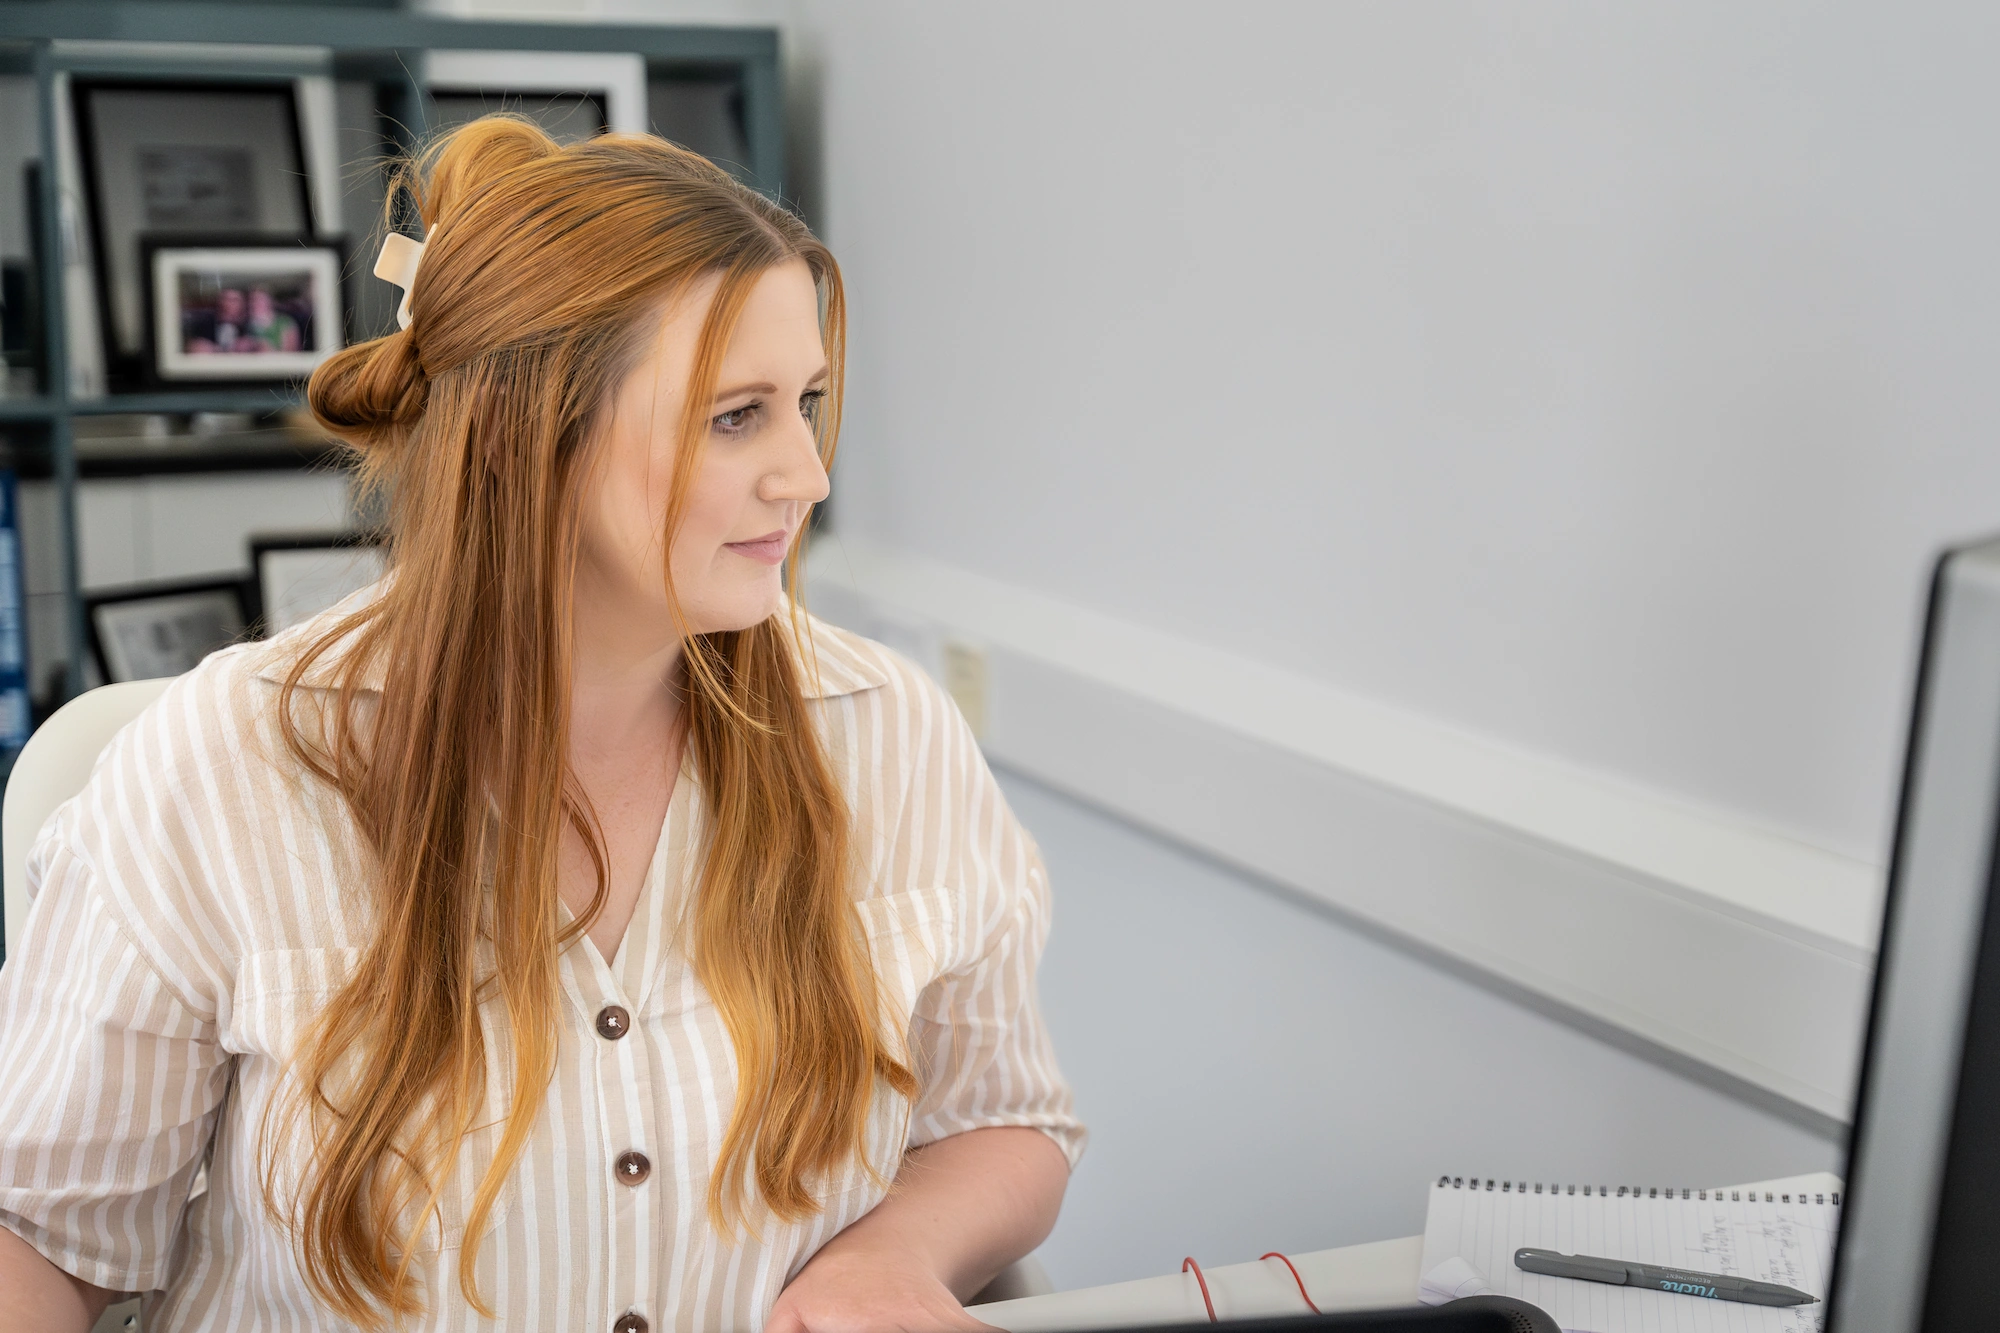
(52, 767)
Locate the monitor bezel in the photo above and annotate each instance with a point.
(1945, 830)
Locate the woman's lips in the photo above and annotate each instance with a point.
(768, 549)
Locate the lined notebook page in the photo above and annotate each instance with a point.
(1781, 1238)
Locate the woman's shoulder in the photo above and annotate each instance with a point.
(317, 644)
(898, 728)
(198, 811)
(202, 712)
(223, 712)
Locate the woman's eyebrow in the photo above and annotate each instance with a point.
(765, 387)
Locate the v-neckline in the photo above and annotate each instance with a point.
(651, 910)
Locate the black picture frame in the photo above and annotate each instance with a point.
(328, 256)
(124, 361)
(112, 613)
(26, 350)
(266, 545)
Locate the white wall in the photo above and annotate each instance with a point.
(1258, 1076)
(1597, 378)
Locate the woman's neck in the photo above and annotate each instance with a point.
(624, 678)
(624, 752)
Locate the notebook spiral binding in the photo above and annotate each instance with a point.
(1633, 1191)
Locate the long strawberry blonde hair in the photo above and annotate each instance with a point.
(547, 272)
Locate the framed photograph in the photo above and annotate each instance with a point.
(567, 117)
(162, 629)
(297, 575)
(215, 158)
(220, 311)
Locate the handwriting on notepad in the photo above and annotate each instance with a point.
(1788, 1241)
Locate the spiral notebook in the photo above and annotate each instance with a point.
(1771, 1235)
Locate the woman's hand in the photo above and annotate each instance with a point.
(961, 1210)
(858, 1288)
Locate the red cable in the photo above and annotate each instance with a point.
(1188, 1263)
(1295, 1277)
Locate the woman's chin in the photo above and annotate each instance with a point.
(738, 608)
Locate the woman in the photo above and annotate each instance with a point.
(566, 931)
(270, 329)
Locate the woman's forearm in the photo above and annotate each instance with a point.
(969, 1205)
(38, 1297)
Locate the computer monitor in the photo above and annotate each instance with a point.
(1920, 1235)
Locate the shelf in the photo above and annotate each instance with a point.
(276, 398)
(36, 408)
(291, 446)
(146, 459)
(344, 28)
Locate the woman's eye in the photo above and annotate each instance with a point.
(733, 421)
(809, 404)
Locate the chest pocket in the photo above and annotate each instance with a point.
(910, 940)
(911, 937)
(278, 994)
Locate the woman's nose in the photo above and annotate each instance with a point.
(799, 474)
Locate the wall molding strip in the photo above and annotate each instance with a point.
(1742, 950)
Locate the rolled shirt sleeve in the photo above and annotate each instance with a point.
(109, 1082)
(981, 1047)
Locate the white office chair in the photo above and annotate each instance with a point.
(53, 767)
(1023, 1277)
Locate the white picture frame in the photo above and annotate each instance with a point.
(299, 576)
(616, 76)
(181, 274)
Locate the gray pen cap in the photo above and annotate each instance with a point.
(1552, 1264)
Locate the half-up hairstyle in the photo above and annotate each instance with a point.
(542, 280)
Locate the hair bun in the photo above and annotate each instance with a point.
(459, 164)
(372, 392)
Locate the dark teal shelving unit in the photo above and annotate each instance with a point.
(346, 41)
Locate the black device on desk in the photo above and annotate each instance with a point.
(1476, 1314)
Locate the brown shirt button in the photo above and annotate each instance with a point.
(632, 1167)
(630, 1322)
(612, 1023)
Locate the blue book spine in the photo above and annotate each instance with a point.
(15, 718)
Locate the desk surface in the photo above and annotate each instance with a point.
(1353, 1277)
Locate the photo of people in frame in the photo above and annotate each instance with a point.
(227, 312)
(245, 314)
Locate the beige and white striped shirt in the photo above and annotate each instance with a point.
(201, 898)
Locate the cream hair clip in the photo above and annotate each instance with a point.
(397, 265)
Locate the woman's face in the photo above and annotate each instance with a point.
(756, 477)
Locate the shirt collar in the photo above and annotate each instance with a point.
(842, 666)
